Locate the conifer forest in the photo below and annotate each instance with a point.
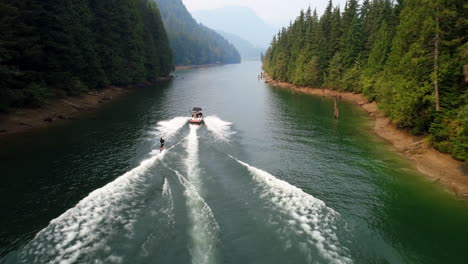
(409, 55)
(66, 47)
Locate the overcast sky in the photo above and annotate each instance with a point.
(274, 12)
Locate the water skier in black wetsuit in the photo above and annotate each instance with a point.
(162, 145)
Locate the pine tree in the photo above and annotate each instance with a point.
(407, 55)
(68, 46)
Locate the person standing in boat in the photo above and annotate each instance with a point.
(162, 144)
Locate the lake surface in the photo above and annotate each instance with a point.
(271, 177)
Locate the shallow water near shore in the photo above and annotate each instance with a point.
(271, 177)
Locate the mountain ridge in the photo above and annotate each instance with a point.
(246, 49)
(251, 27)
(193, 43)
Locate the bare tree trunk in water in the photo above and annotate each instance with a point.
(336, 112)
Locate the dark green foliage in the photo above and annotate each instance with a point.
(193, 43)
(35, 94)
(76, 45)
(386, 50)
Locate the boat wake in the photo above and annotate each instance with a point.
(83, 231)
(93, 228)
(167, 210)
(164, 221)
(219, 128)
(306, 217)
(168, 128)
(204, 229)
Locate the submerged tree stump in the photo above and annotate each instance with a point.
(336, 111)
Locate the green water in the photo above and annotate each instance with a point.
(270, 177)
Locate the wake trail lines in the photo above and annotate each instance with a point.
(83, 231)
(204, 229)
(305, 219)
(219, 128)
(164, 218)
(168, 128)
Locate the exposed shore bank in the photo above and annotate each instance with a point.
(188, 67)
(57, 110)
(440, 168)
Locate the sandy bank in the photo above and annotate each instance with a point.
(439, 167)
(57, 110)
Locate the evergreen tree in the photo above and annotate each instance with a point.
(68, 46)
(407, 55)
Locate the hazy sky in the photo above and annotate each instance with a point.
(274, 12)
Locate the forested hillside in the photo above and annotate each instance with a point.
(408, 55)
(193, 43)
(68, 46)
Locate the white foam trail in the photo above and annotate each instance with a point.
(166, 189)
(165, 219)
(168, 210)
(85, 228)
(168, 128)
(204, 228)
(191, 162)
(219, 128)
(307, 215)
(204, 231)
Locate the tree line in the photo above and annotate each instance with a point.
(193, 43)
(57, 47)
(409, 56)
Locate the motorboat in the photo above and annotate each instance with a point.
(197, 116)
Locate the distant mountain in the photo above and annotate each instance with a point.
(193, 43)
(246, 49)
(240, 21)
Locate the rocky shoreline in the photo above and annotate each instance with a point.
(60, 109)
(439, 167)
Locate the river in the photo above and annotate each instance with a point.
(271, 177)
